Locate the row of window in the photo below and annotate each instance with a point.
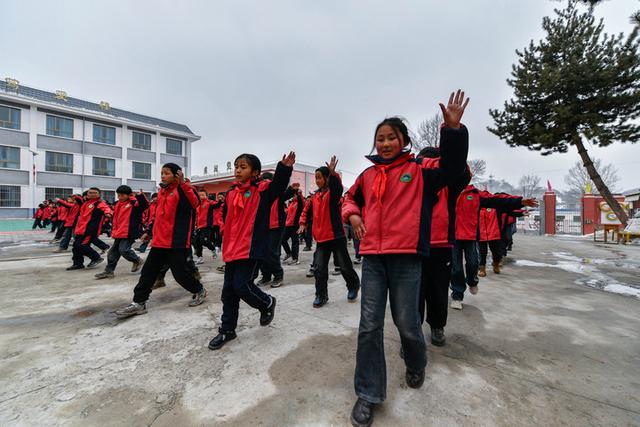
(10, 195)
(63, 162)
(62, 126)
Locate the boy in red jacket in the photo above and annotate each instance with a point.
(172, 228)
(294, 211)
(88, 228)
(73, 204)
(127, 218)
(204, 226)
(328, 232)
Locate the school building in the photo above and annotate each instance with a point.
(54, 145)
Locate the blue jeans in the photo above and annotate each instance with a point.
(471, 260)
(66, 238)
(399, 276)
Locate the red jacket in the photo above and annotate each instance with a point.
(294, 211)
(247, 213)
(90, 217)
(395, 198)
(173, 219)
(63, 212)
(218, 217)
(127, 217)
(324, 212)
(204, 214)
(468, 206)
(278, 215)
(73, 210)
(489, 226)
(39, 213)
(46, 212)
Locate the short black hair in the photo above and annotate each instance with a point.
(324, 171)
(252, 159)
(174, 168)
(124, 189)
(154, 195)
(94, 188)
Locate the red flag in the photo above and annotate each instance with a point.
(549, 189)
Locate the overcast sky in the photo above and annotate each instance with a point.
(314, 76)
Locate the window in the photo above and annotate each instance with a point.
(174, 146)
(9, 117)
(59, 126)
(9, 196)
(577, 218)
(9, 157)
(104, 134)
(141, 170)
(108, 195)
(141, 141)
(51, 193)
(105, 167)
(58, 162)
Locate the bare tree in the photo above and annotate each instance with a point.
(428, 133)
(530, 186)
(478, 167)
(578, 178)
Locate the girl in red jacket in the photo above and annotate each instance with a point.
(204, 227)
(389, 208)
(246, 239)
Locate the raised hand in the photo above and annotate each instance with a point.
(180, 176)
(452, 113)
(532, 203)
(289, 159)
(332, 164)
(358, 226)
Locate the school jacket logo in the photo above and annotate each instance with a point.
(469, 197)
(247, 194)
(405, 178)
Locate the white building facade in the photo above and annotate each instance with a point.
(52, 145)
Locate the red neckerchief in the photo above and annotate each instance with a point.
(238, 201)
(380, 180)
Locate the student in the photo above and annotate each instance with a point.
(127, 217)
(88, 228)
(218, 221)
(46, 214)
(73, 204)
(172, 228)
(245, 241)
(271, 267)
(489, 238)
(328, 232)
(63, 212)
(389, 207)
(307, 236)
(146, 222)
(37, 217)
(204, 226)
(294, 211)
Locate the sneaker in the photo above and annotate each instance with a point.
(132, 309)
(95, 262)
(311, 273)
(306, 249)
(352, 295)
(496, 267)
(137, 265)
(336, 272)
(58, 250)
(357, 261)
(414, 379)
(276, 283)
(221, 339)
(293, 262)
(482, 271)
(473, 290)
(198, 260)
(437, 336)
(286, 257)
(362, 413)
(220, 269)
(319, 302)
(456, 304)
(160, 283)
(263, 281)
(266, 316)
(103, 251)
(198, 298)
(104, 275)
(75, 267)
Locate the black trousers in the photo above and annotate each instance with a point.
(203, 238)
(272, 266)
(341, 256)
(217, 236)
(82, 248)
(99, 243)
(308, 236)
(434, 292)
(176, 259)
(60, 231)
(291, 232)
(496, 251)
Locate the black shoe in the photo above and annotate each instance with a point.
(336, 271)
(352, 295)
(276, 283)
(437, 336)
(221, 339)
(266, 316)
(95, 262)
(362, 413)
(264, 281)
(319, 302)
(311, 272)
(75, 267)
(306, 249)
(414, 379)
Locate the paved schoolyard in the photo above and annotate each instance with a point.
(551, 341)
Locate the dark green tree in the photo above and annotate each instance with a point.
(578, 84)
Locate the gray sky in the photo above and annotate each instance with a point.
(314, 76)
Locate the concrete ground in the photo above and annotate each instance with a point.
(551, 341)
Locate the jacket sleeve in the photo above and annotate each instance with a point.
(65, 203)
(452, 165)
(143, 203)
(104, 207)
(288, 194)
(307, 213)
(335, 188)
(191, 194)
(353, 200)
(280, 182)
(501, 202)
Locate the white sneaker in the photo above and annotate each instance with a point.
(456, 304)
(198, 260)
